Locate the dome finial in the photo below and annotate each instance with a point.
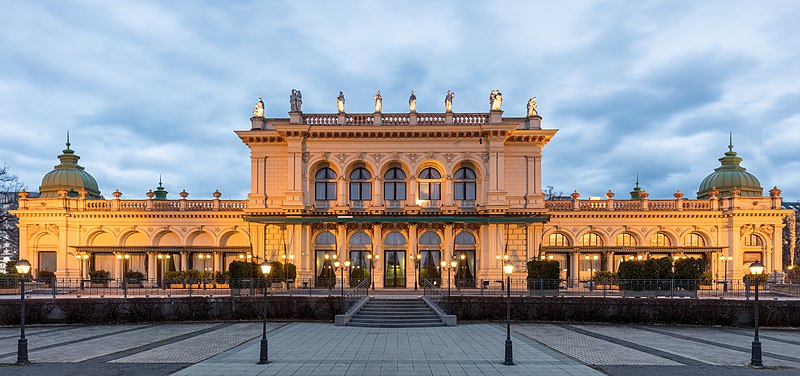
(68, 144)
(637, 180)
(730, 141)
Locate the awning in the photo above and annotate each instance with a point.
(395, 219)
(161, 249)
(634, 249)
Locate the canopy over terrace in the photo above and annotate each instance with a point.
(396, 219)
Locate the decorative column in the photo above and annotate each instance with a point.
(341, 242)
(184, 260)
(678, 202)
(377, 250)
(152, 266)
(610, 200)
(575, 268)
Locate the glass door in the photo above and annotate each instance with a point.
(429, 268)
(395, 269)
(465, 271)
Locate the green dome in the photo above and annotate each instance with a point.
(729, 176)
(70, 176)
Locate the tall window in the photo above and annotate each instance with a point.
(430, 185)
(753, 241)
(591, 240)
(625, 240)
(660, 240)
(557, 240)
(360, 186)
(694, 240)
(394, 184)
(464, 184)
(325, 185)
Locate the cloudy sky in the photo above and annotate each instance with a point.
(157, 88)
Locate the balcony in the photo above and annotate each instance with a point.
(394, 205)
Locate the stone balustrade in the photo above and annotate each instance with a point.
(727, 203)
(394, 119)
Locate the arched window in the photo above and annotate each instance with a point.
(660, 240)
(394, 184)
(591, 239)
(430, 238)
(464, 184)
(465, 238)
(325, 185)
(557, 240)
(753, 241)
(430, 185)
(360, 186)
(625, 240)
(360, 238)
(694, 240)
(325, 255)
(395, 238)
(326, 238)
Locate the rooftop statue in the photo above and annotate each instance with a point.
(532, 107)
(258, 109)
(495, 100)
(412, 102)
(448, 101)
(378, 102)
(296, 101)
(340, 103)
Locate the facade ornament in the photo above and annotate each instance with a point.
(376, 157)
(362, 156)
(412, 102)
(678, 195)
(258, 109)
(495, 100)
(396, 155)
(62, 193)
(532, 107)
(378, 102)
(184, 194)
(117, 194)
(735, 192)
(306, 156)
(448, 101)
(449, 157)
(713, 193)
(53, 228)
(340, 103)
(644, 195)
(413, 157)
(747, 229)
(326, 155)
(342, 157)
(775, 192)
(431, 155)
(23, 194)
(466, 154)
(296, 101)
(766, 229)
(575, 195)
(150, 194)
(609, 195)
(217, 194)
(484, 157)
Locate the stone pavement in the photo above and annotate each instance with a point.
(231, 348)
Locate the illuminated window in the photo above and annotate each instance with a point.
(625, 240)
(360, 186)
(464, 184)
(557, 240)
(325, 185)
(753, 241)
(430, 185)
(694, 240)
(591, 240)
(660, 240)
(394, 184)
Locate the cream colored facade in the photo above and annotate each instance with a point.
(463, 186)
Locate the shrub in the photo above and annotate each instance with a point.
(46, 275)
(646, 269)
(762, 278)
(543, 274)
(605, 276)
(9, 280)
(132, 274)
(690, 268)
(291, 270)
(793, 275)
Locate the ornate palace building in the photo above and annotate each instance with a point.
(396, 194)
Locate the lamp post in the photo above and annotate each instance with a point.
(23, 267)
(163, 258)
(82, 258)
(416, 258)
(372, 259)
(264, 358)
(725, 260)
(205, 258)
(509, 361)
(756, 269)
(124, 257)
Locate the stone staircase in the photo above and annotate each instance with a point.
(395, 313)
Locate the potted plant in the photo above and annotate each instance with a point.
(47, 277)
(135, 278)
(99, 278)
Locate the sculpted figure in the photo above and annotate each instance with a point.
(378, 102)
(448, 101)
(258, 109)
(496, 100)
(340, 103)
(412, 102)
(296, 101)
(532, 105)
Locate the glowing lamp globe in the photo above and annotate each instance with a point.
(265, 267)
(23, 266)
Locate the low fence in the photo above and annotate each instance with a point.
(432, 291)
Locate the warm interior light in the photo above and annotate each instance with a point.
(119, 257)
(347, 263)
(587, 257)
(23, 266)
(596, 257)
(550, 257)
(444, 264)
(463, 256)
(453, 264)
(265, 267)
(756, 268)
(86, 257)
(419, 256)
(639, 257)
(326, 256)
(336, 264)
(160, 256)
(508, 269)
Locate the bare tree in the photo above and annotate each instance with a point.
(550, 193)
(10, 185)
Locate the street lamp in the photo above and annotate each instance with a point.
(416, 259)
(124, 257)
(205, 258)
(725, 260)
(453, 265)
(23, 267)
(264, 358)
(82, 258)
(163, 258)
(756, 269)
(371, 267)
(509, 361)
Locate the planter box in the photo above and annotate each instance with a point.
(545, 292)
(98, 284)
(659, 293)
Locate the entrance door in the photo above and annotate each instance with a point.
(395, 269)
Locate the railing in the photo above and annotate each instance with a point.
(360, 119)
(320, 119)
(394, 204)
(470, 119)
(661, 205)
(696, 205)
(465, 204)
(199, 205)
(435, 294)
(98, 205)
(558, 205)
(430, 119)
(232, 205)
(322, 204)
(355, 294)
(133, 205)
(592, 205)
(395, 119)
(628, 205)
(166, 205)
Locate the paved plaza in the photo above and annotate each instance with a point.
(301, 348)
